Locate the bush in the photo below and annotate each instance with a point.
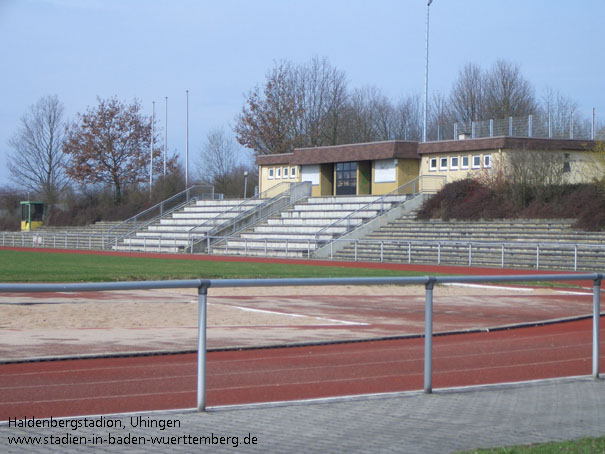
(470, 199)
(466, 199)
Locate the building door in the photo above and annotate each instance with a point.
(346, 178)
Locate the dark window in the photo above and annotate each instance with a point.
(566, 163)
(346, 178)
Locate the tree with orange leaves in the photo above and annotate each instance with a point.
(110, 144)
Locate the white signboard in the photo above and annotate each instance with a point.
(310, 173)
(385, 171)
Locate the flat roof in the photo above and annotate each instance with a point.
(413, 150)
(504, 142)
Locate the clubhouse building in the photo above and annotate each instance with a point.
(382, 167)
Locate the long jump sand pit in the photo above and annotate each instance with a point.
(66, 324)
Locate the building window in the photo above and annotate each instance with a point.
(443, 164)
(271, 173)
(566, 164)
(464, 164)
(293, 172)
(476, 162)
(285, 172)
(454, 162)
(487, 161)
(346, 178)
(433, 164)
(278, 172)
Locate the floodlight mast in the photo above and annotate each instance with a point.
(426, 73)
(187, 141)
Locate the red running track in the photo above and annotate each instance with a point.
(113, 385)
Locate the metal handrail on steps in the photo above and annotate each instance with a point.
(413, 184)
(237, 208)
(161, 207)
(292, 193)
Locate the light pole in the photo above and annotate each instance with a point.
(187, 142)
(245, 184)
(165, 134)
(426, 72)
(151, 143)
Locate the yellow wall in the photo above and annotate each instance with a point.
(580, 167)
(450, 171)
(406, 170)
(409, 169)
(266, 182)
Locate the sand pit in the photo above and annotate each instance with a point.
(39, 325)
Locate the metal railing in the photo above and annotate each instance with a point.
(412, 188)
(202, 286)
(537, 125)
(286, 196)
(532, 254)
(150, 215)
(536, 255)
(226, 217)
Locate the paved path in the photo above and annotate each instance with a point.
(446, 421)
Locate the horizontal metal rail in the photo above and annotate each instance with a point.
(534, 253)
(202, 285)
(411, 188)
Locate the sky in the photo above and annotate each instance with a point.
(219, 50)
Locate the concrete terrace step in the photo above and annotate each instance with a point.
(518, 236)
(335, 214)
(297, 228)
(174, 232)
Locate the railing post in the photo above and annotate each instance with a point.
(596, 325)
(470, 255)
(356, 241)
(381, 251)
(409, 252)
(538, 257)
(428, 336)
(575, 257)
(438, 253)
(201, 348)
(502, 256)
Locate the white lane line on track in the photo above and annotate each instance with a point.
(262, 311)
(496, 287)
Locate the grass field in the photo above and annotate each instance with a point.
(27, 266)
(583, 446)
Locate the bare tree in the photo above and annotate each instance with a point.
(408, 118)
(507, 92)
(532, 174)
(217, 159)
(299, 106)
(37, 162)
(440, 117)
(467, 101)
